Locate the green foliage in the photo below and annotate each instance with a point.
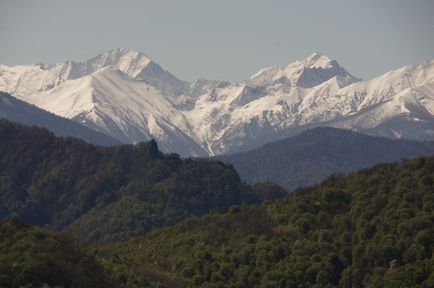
(37, 257)
(105, 194)
(371, 229)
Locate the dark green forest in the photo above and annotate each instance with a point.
(309, 157)
(37, 257)
(110, 193)
(99, 213)
(33, 256)
(371, 229)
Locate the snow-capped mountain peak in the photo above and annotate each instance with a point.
(314, 70)
(306, 73)
(317, 60)
(128, 61)
(138, 66)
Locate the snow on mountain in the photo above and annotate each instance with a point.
(398, 104)
(16, 110)
(26, 80)
(128, 96)
(314, 70)
(129, 62)
(130, 110)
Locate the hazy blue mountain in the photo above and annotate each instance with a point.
(312, 155)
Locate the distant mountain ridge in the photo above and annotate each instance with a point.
(127, 96)
(309, 157)
(18, 111)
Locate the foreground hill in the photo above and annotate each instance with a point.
(371, 229)
(34, 257)
(19, 111)
(311, 156)
(110, 193)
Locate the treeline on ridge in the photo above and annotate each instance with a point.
(110, 193)
(311, 156)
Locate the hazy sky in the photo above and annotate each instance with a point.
(222, 39)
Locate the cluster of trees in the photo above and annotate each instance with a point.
(371, 229)
(34, 256)
(110, 193)
(37, 257)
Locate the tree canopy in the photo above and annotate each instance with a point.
(110, 193)
(371, 229)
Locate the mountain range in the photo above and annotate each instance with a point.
(309, 157)
(126, 95)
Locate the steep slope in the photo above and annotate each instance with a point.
(18, 111)
(217, 117)
(311, 156)
(110, 102)
(371, 229)
(110, 193)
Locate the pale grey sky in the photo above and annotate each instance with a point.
(221, 39)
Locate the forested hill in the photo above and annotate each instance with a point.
(110, 193)
(32, 256)
(371, 229)
(311, 156)
(37, 257)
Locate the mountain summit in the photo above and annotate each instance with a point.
(307, 73)
(128, 61)
(126, 95)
